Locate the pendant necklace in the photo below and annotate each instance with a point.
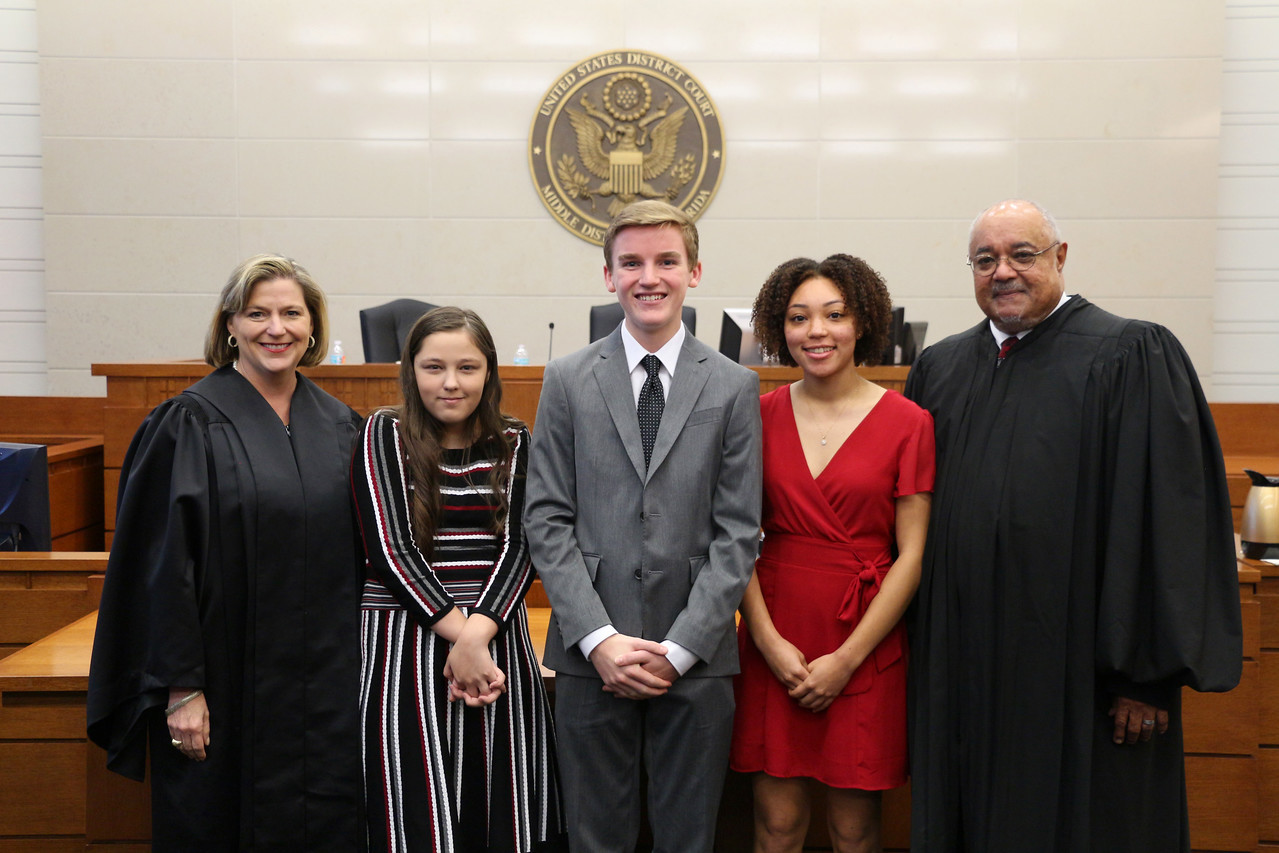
(813, 414)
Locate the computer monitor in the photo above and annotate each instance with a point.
(24, 498)
(892, 351)
(905, 340)
(737, 338)
(913, 340)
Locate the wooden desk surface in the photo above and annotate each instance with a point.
(60, 661)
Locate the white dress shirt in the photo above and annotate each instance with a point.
(1000, 337)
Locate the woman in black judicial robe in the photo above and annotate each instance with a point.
(228, 635)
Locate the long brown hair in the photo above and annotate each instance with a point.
(420, 431)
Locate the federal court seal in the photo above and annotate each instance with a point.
(622, 126)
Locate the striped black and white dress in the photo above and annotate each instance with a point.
(440, 776)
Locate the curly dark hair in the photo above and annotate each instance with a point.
(864, 293)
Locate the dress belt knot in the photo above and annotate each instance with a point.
(859, 593)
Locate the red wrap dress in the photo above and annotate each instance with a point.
(827, 546)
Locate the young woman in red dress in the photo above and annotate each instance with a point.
(848, 475)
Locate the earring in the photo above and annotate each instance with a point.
(310, 342)
(230, 341)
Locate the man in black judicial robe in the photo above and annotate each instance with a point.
(1079, 570)
(234, 568)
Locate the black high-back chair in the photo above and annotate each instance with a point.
(384, 328)
(604, 319)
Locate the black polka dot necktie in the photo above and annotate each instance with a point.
(651, 403)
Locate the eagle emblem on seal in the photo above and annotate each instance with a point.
(618, 127)
(625, 143)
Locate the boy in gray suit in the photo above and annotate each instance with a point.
(642, 519)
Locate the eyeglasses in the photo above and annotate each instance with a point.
(1021, 261)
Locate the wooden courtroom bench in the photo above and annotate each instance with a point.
(41, 591)
(42, 742)
(134, 389)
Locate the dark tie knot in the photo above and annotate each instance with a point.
(652, 364)
(1008, 344)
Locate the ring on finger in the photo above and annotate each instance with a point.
(177, 744)
(1147, 723)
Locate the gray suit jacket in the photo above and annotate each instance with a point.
(662, 554)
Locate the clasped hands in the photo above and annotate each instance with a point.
(473, 676)
(813, 686)
(632, 667)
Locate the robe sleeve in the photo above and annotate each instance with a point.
(149, 632)
(380, 483)
(513, 570)
(1168, 600)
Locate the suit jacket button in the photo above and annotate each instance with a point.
(637, 575)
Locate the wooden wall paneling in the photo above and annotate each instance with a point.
(46, 845)
(110, 492)
(116, 809)
(521, 387)
(895, 819)
(82, 540)
(120, 423)
(1250, 611)
(41, 715)
(1222, 796)
(27, 615)
(42, 739)
(52, 562)
(536, 597)
(1268, 596)
(1224, 723)
(41, 592)
(42, 788)
(75, 495)
(353, 392)
(52, 415)
(1268, 795)
(1248, 428)
(1249, 434)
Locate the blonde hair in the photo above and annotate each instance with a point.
(652, 212)
(218, 351)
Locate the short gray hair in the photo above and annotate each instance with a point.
(1054, 230)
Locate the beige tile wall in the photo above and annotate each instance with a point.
(22, 308)
(384, 144)
(1246, 322)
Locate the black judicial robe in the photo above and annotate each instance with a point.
(234, 569)
(1081, 547)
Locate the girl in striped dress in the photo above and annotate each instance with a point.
(458, 739)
